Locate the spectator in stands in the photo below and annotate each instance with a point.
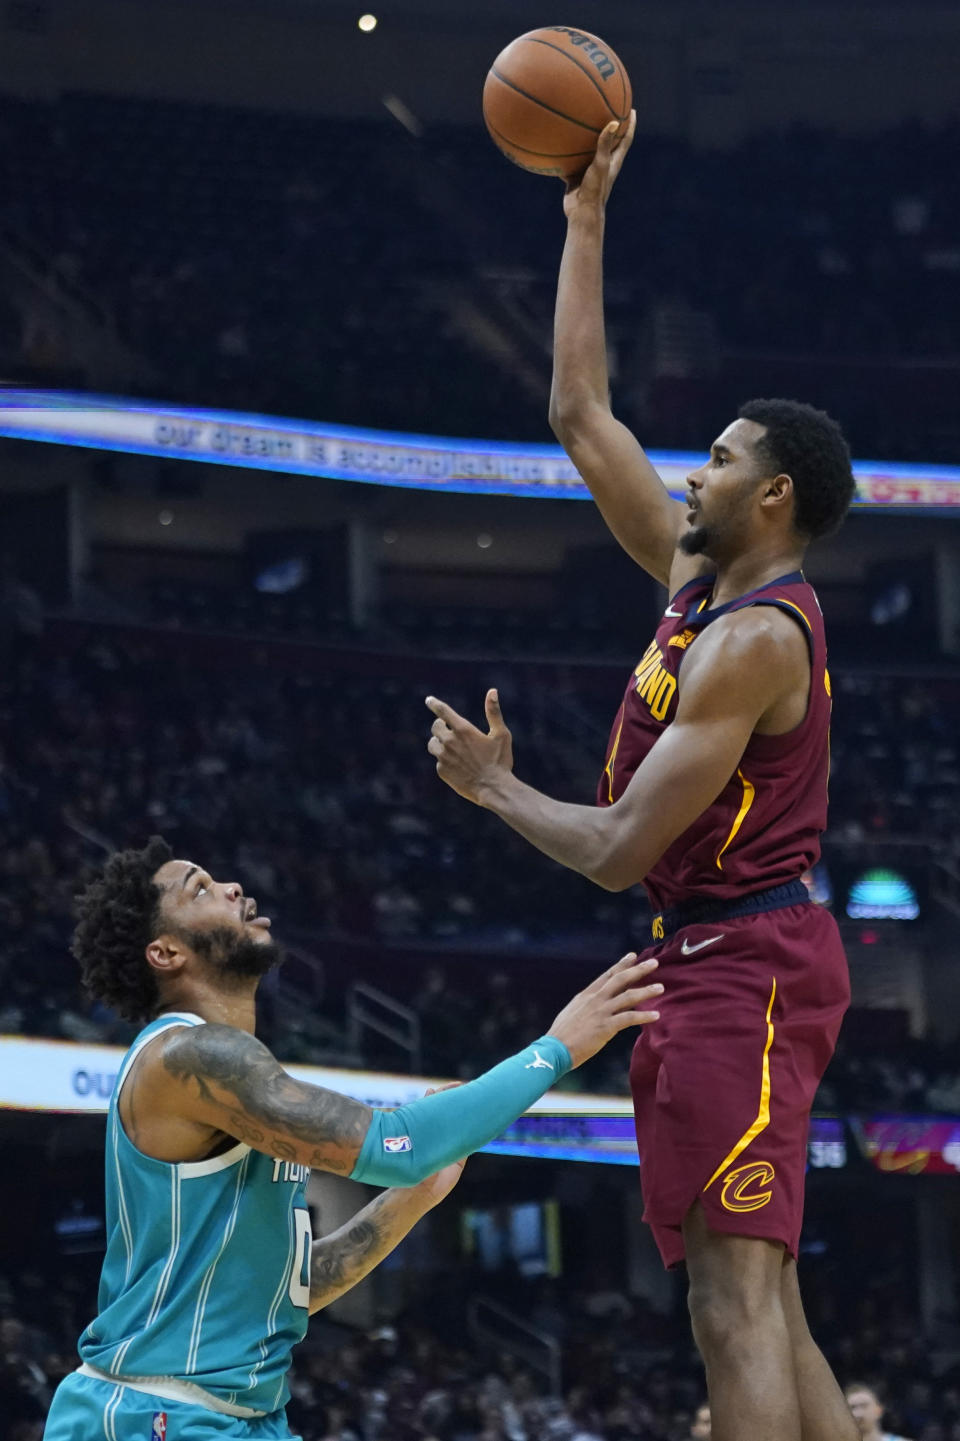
(867, 1410)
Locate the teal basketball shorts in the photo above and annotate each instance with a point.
(88, 1409)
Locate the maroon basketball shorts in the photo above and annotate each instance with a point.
(723, 1083)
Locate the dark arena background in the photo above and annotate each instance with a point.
(275, 338)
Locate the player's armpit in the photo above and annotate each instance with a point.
(225, 1078)
(739, 669)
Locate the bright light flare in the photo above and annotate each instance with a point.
(366, 23)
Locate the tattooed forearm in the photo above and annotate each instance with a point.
(340, 1260)
(230, 1080)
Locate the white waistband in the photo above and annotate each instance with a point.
(168, 1388)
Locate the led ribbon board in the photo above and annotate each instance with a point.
(423, 462)
(37, 1074)
(79, 1077)
(911, 1145)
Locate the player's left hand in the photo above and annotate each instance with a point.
(467, 759)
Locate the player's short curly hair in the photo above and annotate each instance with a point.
(808, 445)
(117, 918)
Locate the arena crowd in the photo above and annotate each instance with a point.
(304, 773)
(287, 264)
(628, 1373)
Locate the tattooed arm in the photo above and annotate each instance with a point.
(340, 1260)
(222, 1080)
(198, 1085)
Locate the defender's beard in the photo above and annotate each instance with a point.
(236, 955)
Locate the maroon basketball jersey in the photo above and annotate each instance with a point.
(764, 828)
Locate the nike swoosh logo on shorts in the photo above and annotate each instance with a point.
(687, 950)
(677, 614)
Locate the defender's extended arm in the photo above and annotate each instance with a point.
(224, 1079)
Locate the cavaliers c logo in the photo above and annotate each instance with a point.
(745, 1189)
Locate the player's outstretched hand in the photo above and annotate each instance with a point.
(436, 1188)
(617, 999)
(593, 187)
(467, 759)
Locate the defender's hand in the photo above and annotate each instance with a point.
(467, 759)
(592, 188)
(609, 1004)
(437, 1187)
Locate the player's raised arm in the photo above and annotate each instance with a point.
(631, 496)
(223, 1078)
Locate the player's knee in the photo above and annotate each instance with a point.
(730, 1317)
(707, 1316)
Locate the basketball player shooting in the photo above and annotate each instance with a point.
(714, 795)
(207, 1281)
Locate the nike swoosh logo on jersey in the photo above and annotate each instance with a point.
(687, 950)
(677, 614)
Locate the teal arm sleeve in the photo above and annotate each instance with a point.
(404, 1146)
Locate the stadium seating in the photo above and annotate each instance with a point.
(329, 268)
(303, 772)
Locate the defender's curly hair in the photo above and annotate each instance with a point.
(117, 918)
(808, 445)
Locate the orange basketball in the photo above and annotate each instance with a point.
(548, 96)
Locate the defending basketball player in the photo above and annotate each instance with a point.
(714, 795)
(207, 1281)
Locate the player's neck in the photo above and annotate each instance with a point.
(235, 1007)
(747, 572)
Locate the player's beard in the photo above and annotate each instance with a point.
(235, 955)
(696, 540)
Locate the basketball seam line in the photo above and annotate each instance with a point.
(542, 103)
(530, 168)
(592, 78)
(624, 82)
(544, 154)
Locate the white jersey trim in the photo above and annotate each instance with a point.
(229, 1158)
(110, 1415)
(207, 1281)
(175, 1018)
(168, 1388)
(125, 1228)
(187, 1170)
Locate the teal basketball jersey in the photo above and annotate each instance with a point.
(206, 1278)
